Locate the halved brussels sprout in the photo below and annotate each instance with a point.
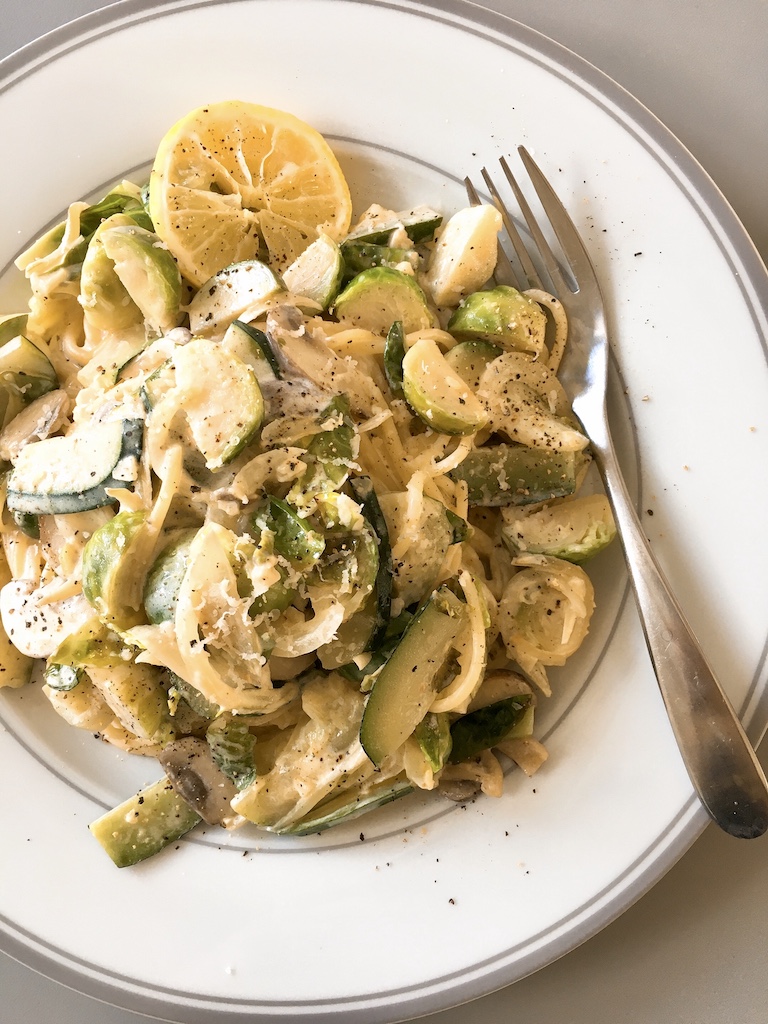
(544, 614)
(501, 315)
(575, 530)
(147, 271)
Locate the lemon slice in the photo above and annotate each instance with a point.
(233, 176)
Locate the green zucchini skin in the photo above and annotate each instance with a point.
(364, 492)
(482, 729)
(145, 824)
(157, 385)
(263, 344)
(516, 475)
(381, 654)
(347, 807)
(420, 225)
(405, 687)
(41, 501)
(394, 353)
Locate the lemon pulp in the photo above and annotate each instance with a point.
(231, 178)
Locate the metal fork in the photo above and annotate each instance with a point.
(717, 754)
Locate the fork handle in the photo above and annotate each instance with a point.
(719, 758)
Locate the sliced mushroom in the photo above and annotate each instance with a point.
(302, 354)
(459, 790)
(38, 629)
(39, 420)
(195, 776)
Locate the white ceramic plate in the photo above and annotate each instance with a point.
(429, 904)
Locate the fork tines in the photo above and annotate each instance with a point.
(564, 230)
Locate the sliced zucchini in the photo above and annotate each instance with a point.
(515, 475)
(222, 400)
(157, 385)
(317, 273)
(12, 326)
(394, 631)
(437, 394)
(140, 354)
(406, 685)
(378, 297)
(347, 806)
(351, 640)
(73, 473)
(114, 353)
(251, 346)
(503, 316)
(464, 256)
(229, 294)
(145, 824)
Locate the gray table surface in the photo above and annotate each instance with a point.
(692, 951)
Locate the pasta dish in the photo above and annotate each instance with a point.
(291, 504)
